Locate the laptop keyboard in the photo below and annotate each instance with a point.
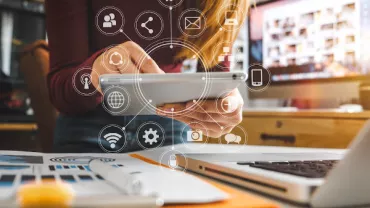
(308, 169)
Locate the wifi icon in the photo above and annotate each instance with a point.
(112, 139)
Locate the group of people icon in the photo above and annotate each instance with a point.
(109, 21)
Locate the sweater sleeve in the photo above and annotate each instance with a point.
(67, 28)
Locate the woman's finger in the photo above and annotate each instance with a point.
(225, 105)
(196, 124)
(142, 60)
(129, 69)
(233, 118)
(168, 107)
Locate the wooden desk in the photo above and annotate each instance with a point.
(19, 136)
(318, 129)
(18, 127)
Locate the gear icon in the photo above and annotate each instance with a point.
(151, 133)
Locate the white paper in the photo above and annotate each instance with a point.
(171, 186)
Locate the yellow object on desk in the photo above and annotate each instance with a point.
(56, 194)
(45, 194)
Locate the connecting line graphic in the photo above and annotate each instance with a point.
(204, 78)
(221, 127)
(124, 128)
(171, 27)
(173, 134)
(121, 31)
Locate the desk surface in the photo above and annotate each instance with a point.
(308, 114)
(18, 127)
(156, 155)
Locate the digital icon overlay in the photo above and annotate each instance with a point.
(110, 21)
(224, 55)
(170, 159)
(259, 78)
(237, 137)
(82, 81)
(157, 48)
(112, 139)
(172, 162)
(115, 58)
(195, 136)
(194, 133)
(86, 81)
(170, 3)
(112, 59)
(149, 25)
(116, 100)
(230, 17)
(232, 138)
(192, 23)
(150, 135)
(227, 104)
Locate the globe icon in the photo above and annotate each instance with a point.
(116, 99)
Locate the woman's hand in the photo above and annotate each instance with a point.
(132, 55)
(213, 117)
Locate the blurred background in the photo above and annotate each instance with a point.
(316, 51)
(22, 24)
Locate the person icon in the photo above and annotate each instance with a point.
(113, 19)
(109, 21)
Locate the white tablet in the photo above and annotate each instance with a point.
(140, 94)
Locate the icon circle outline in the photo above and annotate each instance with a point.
(203, 143)
(107, 57)
(159, 127)
(126, 104)
(203, 18)
(165, 166)
(137, 29)
(124, 135)
(250, 77)
(119, 28)
(159, 45)
(170, 6)
(241, 145)
(74, 79)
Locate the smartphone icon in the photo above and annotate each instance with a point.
(257, 80)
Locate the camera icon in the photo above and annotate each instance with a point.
(195, 136)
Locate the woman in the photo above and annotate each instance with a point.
(75, 42)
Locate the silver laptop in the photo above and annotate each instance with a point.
(315, 179)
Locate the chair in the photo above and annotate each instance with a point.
(34, 64)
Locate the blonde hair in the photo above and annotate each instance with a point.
(215, 34)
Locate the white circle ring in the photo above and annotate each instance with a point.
(159, 127)
(100, 142)
(136, 25)
(159, 45)
(97, 21)
(201, 16)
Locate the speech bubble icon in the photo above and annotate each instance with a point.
(232, 138)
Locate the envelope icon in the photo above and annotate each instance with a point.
(193, 23)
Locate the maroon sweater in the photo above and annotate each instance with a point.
(76, 42)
